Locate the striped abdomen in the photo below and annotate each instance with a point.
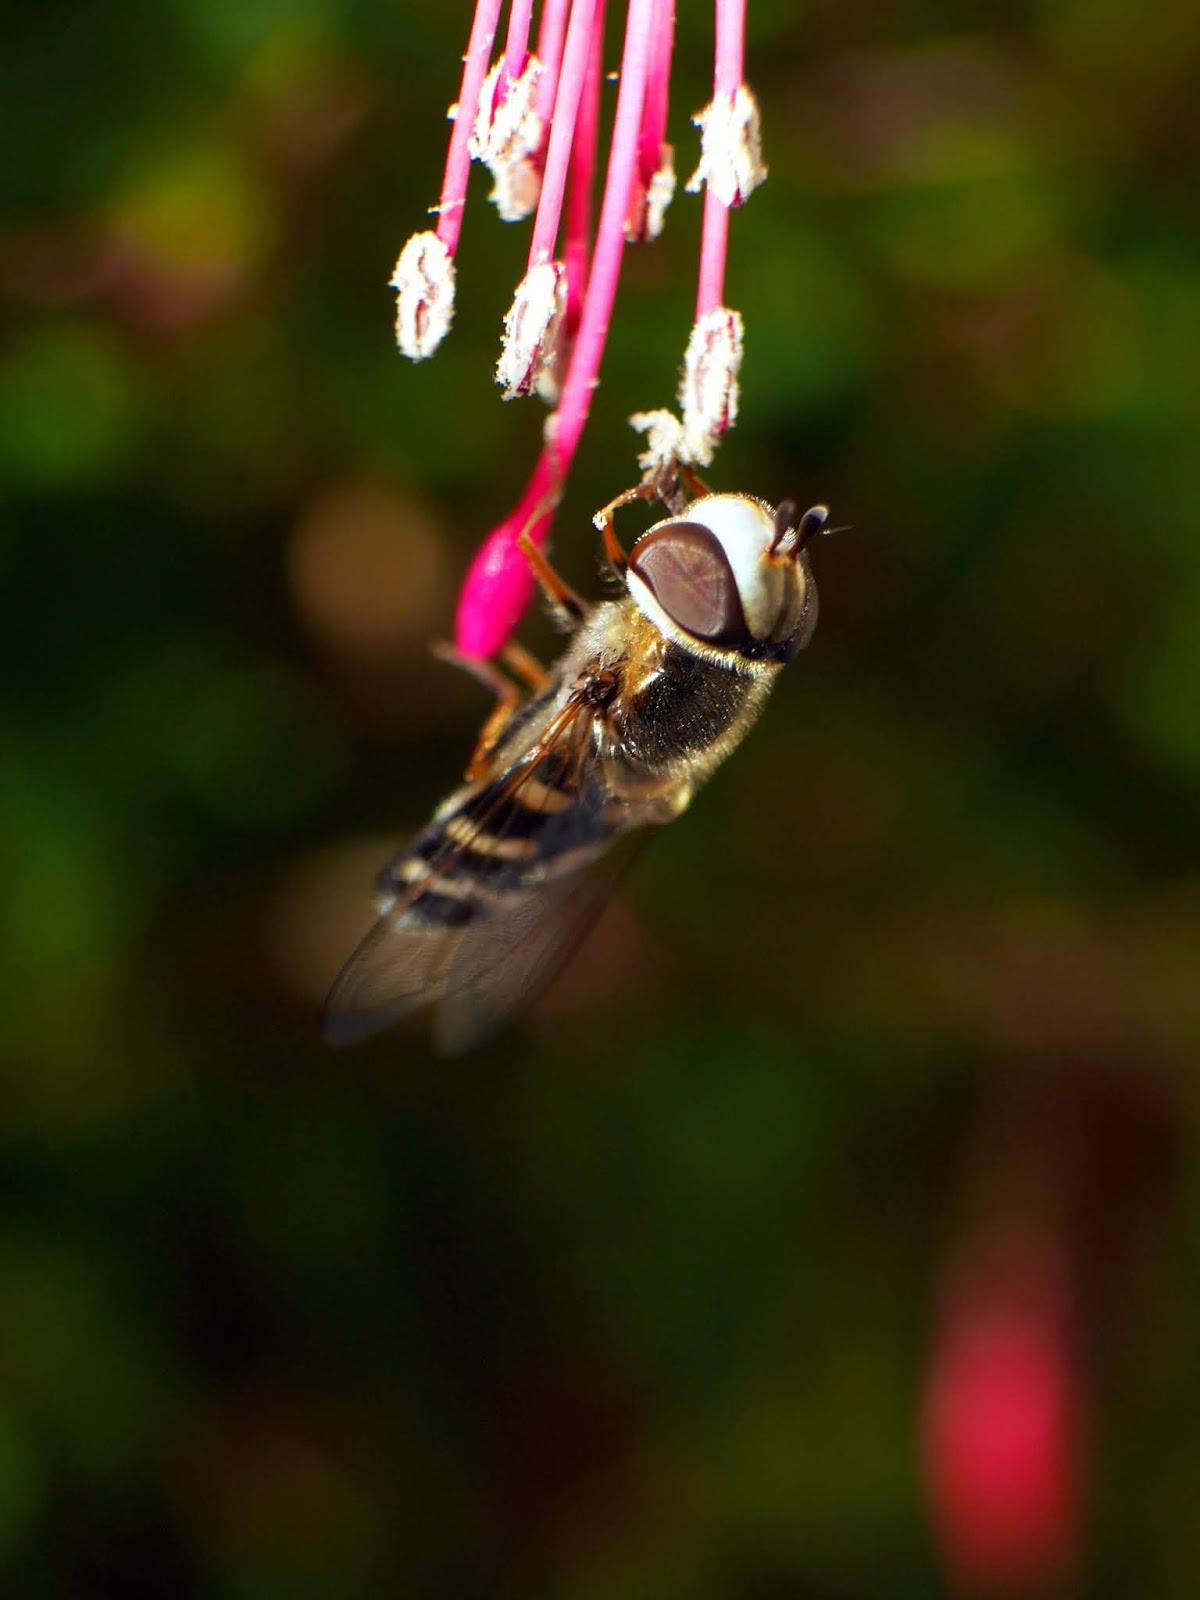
(494, 839)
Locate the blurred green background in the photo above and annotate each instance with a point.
(639, 1303)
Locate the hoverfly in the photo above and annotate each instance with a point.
(653, 691)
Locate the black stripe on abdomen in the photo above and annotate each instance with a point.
(495, 842)
(444, 910)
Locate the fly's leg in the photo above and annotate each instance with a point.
(564, 602)
(613, 548)
(604, 521)
(526, 667)
(478, 667)
(671, 482)
(696, 484)
(508, 698)
(662, 486)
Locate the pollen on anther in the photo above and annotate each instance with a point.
(731, 160)
(508, 136)
(660, 193)
(649, 205)
(666, 443)
(424, 285)
(531, 327)
(708, 393)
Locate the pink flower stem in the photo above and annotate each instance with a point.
(498, 585)
(654, 118)
(583, 170)
(731, 46)
(458, 157)
(516, 45)
(562, 130)
(714, 239)
(727, 79)
(572, 413)
(551, 32)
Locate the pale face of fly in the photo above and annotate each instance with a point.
(731, 579)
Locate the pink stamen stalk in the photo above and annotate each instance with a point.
(562, 130)
(728, 68)
(658, 89)
(424, 276)
(730, 168)
(498, 584)
(509, 136)
(656, 173)
(730, 57)
(551, 33)
(714, 244)
(730, 157)
(531, 351)
(458, 157)
(568, 421)
(516, 44)
(582, 178)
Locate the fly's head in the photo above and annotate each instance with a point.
(730, 578)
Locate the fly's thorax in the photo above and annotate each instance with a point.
(686, 716)
(725, 581)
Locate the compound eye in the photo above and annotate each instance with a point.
(688, 573)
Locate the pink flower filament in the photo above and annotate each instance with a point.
(567, 343)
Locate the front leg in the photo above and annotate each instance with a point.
(525, 666)
(508, 698)
(565, 604)
(697, 487)
(664, 486)
(604, 521)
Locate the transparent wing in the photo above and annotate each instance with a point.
(491, 899)
(499, 971)
(394, 970)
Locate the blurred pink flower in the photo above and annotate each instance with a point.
(1001, 1426)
